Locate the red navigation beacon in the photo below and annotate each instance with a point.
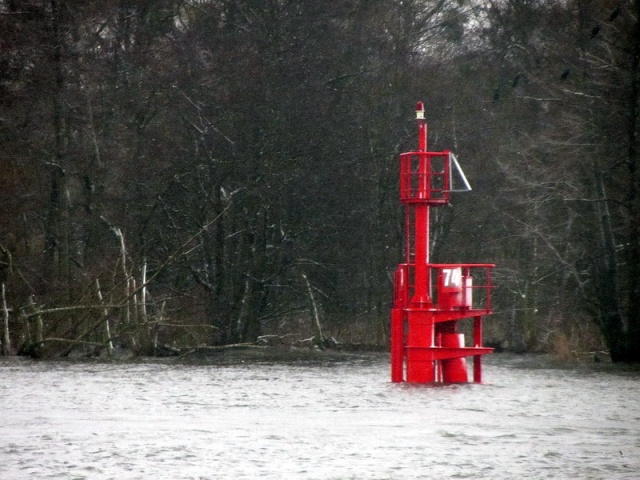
(430, 299)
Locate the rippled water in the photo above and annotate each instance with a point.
(316, 420)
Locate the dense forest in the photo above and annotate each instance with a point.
(186, 173)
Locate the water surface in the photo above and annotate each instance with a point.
(333, 419)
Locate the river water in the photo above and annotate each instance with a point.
(325, 418)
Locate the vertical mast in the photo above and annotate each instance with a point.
(421, 212)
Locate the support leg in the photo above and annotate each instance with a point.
(397, 345)
(477, 342)
(477, 369)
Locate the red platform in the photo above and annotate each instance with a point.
(430, 299)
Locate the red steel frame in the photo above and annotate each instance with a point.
(425, 344)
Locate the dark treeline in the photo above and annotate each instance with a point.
(179, 173)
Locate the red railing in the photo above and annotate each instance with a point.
(452, 286)
(425, 177)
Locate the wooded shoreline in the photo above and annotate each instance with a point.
(208, 172)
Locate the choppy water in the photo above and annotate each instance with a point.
(316, 420)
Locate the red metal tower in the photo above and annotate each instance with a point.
(425, 344)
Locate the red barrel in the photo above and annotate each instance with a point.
(454, 370)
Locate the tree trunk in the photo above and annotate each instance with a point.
(53, 235)
(631, 351)
(6, 339)
(608, 295)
